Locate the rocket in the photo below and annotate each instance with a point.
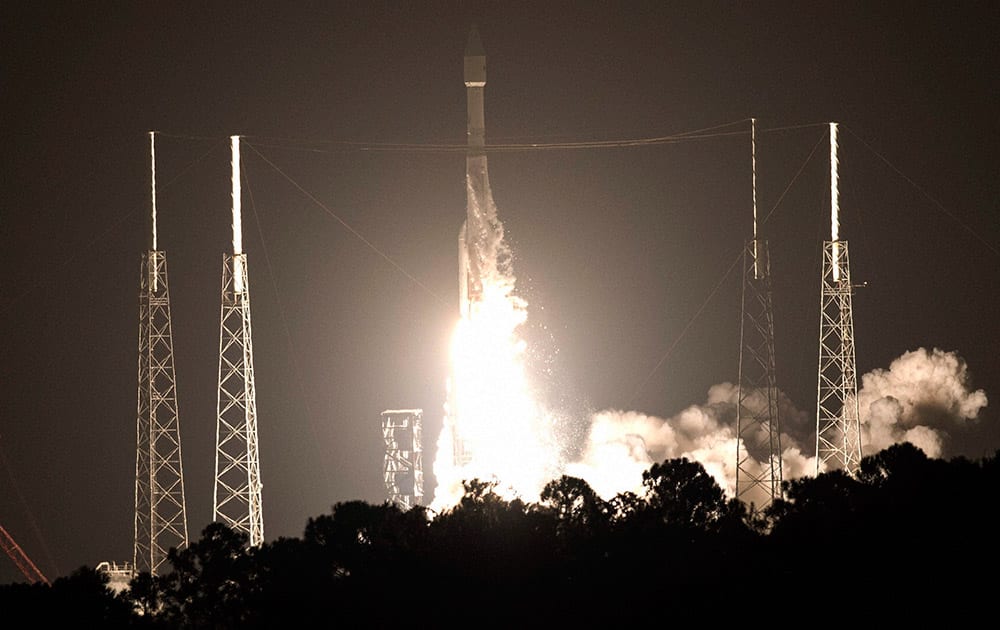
(478, 237)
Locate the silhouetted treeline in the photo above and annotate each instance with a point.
(907, 533)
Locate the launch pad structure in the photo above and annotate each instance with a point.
(403, 466)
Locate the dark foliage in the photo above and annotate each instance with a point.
(905, 528)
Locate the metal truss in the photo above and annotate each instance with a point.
(838, 424)
(236, 499)
(403, 471)
(758, 458)
(160, 511)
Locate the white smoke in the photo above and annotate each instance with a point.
(915, 400)
(622, 444)
(922, 395)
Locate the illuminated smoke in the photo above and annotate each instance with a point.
(622, 444)
(916, 400)
(922, 395)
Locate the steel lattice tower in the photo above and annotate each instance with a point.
(403, 470)
(160, 512)
(758, 458)
(237, 494)
(758, 465)
(838, 422)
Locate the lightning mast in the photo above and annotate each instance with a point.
(160, 511)
(758, 454)
(236, 499)
(838, 423)
(403, 469)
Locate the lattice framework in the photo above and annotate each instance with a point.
(160, 510)
(237, 492)
(838, 424)
(403, 470)
(758, 465)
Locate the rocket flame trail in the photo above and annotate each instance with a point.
(495, 429)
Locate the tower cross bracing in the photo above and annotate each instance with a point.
(237, 493)
(758, 466)
(160, 511)
(838, 423)
(403, 471)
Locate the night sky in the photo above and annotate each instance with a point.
(625, 254)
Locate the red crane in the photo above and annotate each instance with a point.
(21, 559)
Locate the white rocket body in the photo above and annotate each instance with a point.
(476, 239)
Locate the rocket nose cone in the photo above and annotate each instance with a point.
(475, 46)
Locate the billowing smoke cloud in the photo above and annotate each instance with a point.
(918, 399)
(622, 444)
(915, 400)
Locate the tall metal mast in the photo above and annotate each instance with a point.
(403, 469)
(160, 511)
(838, 423)
(236, 499)
(758, 454)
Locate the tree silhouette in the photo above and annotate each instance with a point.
(905, 526)
(212, 583)
(682, 494)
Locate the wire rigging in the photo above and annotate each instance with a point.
(722, 280)
(683, 333)
(293, 355)
(791, 183)
(346, 225)
(111, 227)
(923, 192)
(685, 136)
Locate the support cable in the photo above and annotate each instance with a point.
(923, 192)
(715, 290)
(284, 320)
(361, 237)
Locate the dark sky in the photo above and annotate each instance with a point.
(616, 249)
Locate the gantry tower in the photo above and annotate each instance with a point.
(838, 423)
(236, 499)
(403, 469)
(758, 451)
(160, 512)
